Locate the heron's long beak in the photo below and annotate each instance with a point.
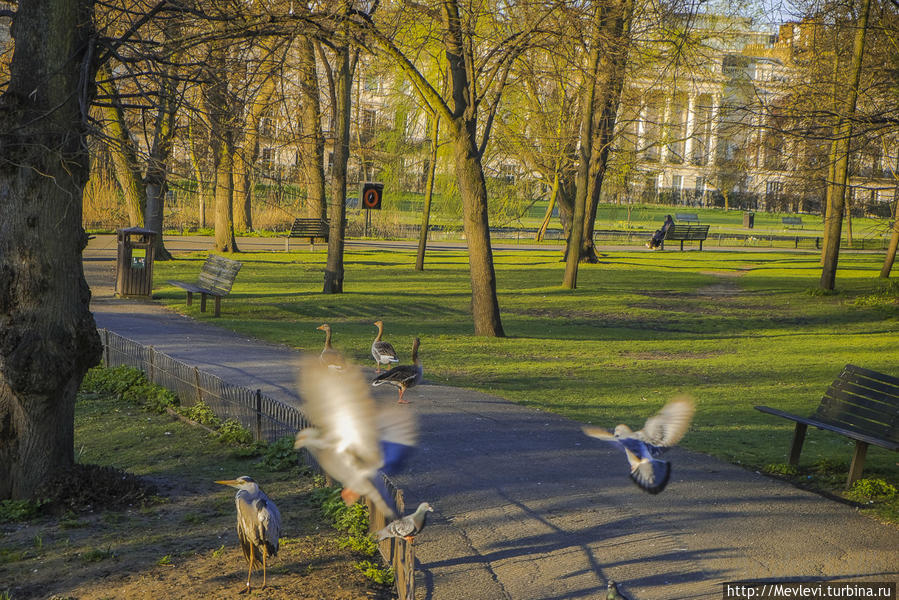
(229, 482)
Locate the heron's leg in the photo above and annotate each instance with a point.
(264, 555)
(250, 571)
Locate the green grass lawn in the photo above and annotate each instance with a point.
(731, 329)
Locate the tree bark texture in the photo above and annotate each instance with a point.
(220, 108)
(312, 142)
(611, 73)
(894, 243)
(156, 179)
(48, 337)
(333, 283)
(121, 149)
(834, 222)
(429, 193)
(585, 152)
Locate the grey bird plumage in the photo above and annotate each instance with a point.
(258, 524)
(404, 376)
(407, 527)
(643, 447)
(383, 352)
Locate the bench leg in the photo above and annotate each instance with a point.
(190, 298)
(218, 305)
(682, 245)
(700, 245)
(858, 462)
(202, 302)
(796, 446)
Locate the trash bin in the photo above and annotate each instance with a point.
(748, 220)
(134, 267)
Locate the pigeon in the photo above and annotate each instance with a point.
(352, 439)
(407, 527)
(382, 351)
(330, 357)
(645, 446)
(403, 376)
(613, 593)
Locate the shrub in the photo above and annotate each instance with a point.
(232, 432)
(202, 414)
(280, 454)
(376, 573)
(871, 490)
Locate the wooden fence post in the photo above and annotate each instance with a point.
(197, 385)
(258, 414)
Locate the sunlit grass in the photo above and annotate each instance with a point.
(731, 329)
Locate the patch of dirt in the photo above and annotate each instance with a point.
(182, 547)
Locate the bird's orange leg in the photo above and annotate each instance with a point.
(409, 539)
(264, 554)
(401, 401)
(349, 496)
(249, 572)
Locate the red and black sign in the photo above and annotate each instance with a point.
(371, 195)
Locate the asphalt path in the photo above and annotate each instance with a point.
(527, 507)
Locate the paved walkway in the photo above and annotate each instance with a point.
(528, 508)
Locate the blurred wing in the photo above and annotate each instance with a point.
(338, 403)
(599, 433)
(651, 475)
(398, 434)
(670, 424)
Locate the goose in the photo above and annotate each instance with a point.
(330, 357)
(382, 351)
(403, 376)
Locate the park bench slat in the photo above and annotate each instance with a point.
(860, 404)
(682, 232)
(308, 228)
(215, 279)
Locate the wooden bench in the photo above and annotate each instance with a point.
(792, 221)
(215, 279)
(308, 228)
(688, 217)
(860, 404)
(686, 233)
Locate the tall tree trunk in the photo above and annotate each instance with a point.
(475, 224)
(834, 223)
(612, 71)
(121, 148)
(429, 193)
(202, 190)
(585, 151)
(157, 165)
(312, 143)
(333, 283)
(48, 337)
(541, 232)
(224, 199)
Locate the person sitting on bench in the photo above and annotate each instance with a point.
(659, 235)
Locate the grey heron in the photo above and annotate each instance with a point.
(258, 523)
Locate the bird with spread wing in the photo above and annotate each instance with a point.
(352, 438)
(643, 447)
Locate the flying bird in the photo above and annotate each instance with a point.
(407, 527)
(352, 439)
(403, 376)
(330, 357)
(643, 447)
(382, 351)
(258, 524)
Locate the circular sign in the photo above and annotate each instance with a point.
(371, 198)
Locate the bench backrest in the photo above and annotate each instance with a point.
(679, 231)
(218, 274)
(690, 217)
(863, 401)
(309, 227)
(792, 220)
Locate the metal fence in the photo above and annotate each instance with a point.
(267, 418)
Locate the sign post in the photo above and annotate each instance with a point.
(370, 196)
